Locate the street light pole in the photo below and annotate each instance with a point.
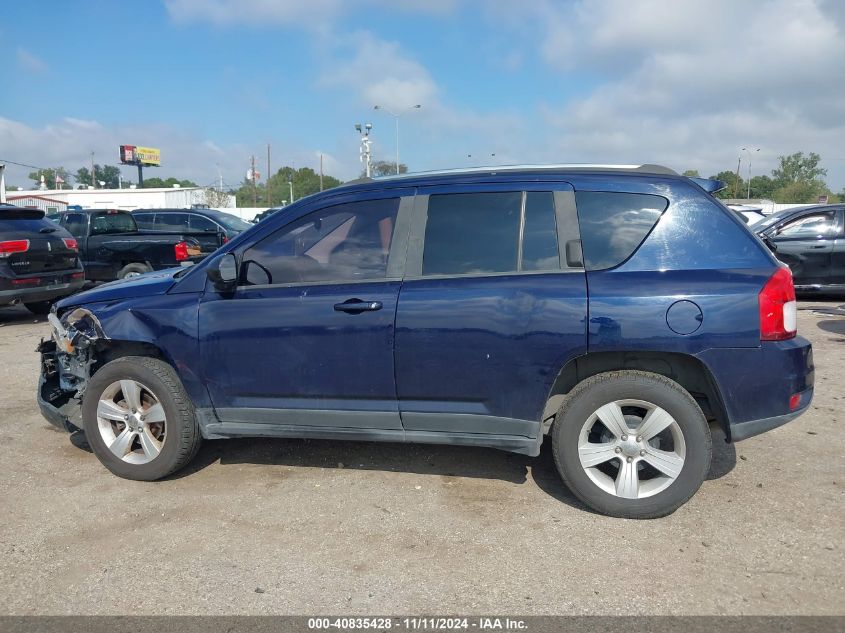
(396, 116)
(744, 149)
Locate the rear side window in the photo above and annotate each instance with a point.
(144, 220)
(481, 233)
(613, 225)
(112, 222)
(75, 224)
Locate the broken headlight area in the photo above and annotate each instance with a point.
(66, 361)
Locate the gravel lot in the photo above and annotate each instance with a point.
(316, 527)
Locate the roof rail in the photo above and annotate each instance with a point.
(492, 169)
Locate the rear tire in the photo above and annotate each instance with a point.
(133, 270)
(139, 420)
(631, 444)
(39, 307)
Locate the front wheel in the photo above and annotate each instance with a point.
(631, 444)
(139, 420)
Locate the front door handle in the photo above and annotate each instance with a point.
(356, 306)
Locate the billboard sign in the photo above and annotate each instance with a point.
(134, 155)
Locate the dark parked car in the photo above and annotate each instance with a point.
(476, 308)
(112, 247)
(811, 241)
(38, 260)
(210, 227)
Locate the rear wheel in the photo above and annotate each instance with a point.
(631, 444)
(138, 419)
(133, 270)
(39, 307)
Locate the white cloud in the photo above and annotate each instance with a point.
(690, 83)
(29, 62)
(314, 14)
(69, 142)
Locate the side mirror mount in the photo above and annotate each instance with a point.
(223, 273)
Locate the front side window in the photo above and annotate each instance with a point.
(481, 233)
(171, 222)
(613, 225)
(202, 223)
(809, 226)
(346, 242)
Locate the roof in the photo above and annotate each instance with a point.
(32, 195)
(512, 171)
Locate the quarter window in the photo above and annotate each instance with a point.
(613, 225)
(346, 242)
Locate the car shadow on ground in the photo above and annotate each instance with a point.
(834, 326)
(446, 461)
(13, 315)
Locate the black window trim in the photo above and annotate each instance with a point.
(566, 220)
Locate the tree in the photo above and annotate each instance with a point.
(798, 168)
(762, 187)
(156, 182)
(735, 187)
(216, 199)
(108, 174)
(305, 182)
(385, 168)
(691, 173)
(49, 177)
(801, 192)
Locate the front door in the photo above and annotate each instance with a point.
(805, 244)
(494, 304)
(307, 337)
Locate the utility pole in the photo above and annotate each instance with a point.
(269, 204)
(750, 154)
(254, 190)
(396, 116)
(93, 172)
(736, 180)
(321, 171)
(365, 151)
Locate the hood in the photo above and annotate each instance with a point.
(146, 285)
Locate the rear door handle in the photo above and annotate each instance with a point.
(819, 246)
(356, 306)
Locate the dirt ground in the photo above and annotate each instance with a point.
(316, 527)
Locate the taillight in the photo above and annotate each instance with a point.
(225, 239)
(71, 243)
(13, 246)
(778, 309)
(181, 250)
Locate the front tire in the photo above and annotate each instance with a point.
(631, 444)
(139, 420)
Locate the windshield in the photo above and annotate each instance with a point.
(767, 221)
(232, 222)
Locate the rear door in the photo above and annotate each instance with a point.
(493, 304)
(805, 244)
(207, 232)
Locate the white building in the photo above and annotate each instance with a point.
(157, 198)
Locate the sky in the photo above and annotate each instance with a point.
(682, 83)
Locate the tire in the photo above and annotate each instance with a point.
(133, 270)
(617, 477)
(144, 450)
(39, 307)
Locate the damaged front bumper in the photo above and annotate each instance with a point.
(66, 361)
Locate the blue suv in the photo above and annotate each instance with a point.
(619, 310)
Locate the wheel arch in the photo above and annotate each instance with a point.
(687, 370)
